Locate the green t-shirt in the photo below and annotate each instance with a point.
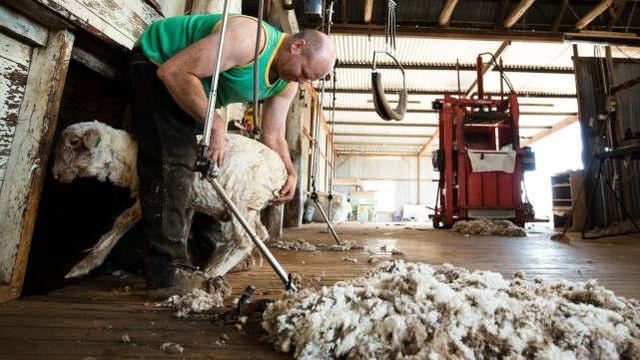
(166, 37)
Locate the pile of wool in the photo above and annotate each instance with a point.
(196, 301)
(413, 310)
(488, 227)
(301, 245)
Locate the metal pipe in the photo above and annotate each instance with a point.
(254, 237)
(213, 92)
(314, 197)
(256, 61)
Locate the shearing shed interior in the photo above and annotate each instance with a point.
(370, 179)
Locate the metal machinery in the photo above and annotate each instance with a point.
(472, 131)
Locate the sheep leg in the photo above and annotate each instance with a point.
(124, 222)
(237, 250)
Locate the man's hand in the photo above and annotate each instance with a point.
(288, 190)
(217, 148)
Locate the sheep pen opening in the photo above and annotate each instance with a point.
(71, 217)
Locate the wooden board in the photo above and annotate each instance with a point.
(30, 150)
(118, 21)
(89, 317)
(14, 65)
(22, 27)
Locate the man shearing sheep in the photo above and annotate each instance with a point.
(170, 69)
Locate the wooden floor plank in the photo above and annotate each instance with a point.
(88, 318)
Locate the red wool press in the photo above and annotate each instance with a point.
(480, 160)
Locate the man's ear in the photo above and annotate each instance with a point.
(297, 46)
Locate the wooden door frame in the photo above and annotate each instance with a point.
(30, 151)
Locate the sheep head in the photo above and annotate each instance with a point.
(94, 149)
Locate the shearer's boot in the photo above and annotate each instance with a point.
(186, 280)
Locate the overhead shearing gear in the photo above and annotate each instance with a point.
(380, 102)
(209, 168)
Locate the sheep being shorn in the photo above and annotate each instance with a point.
(252, 175)
(405, 310)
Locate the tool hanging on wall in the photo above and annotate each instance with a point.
(209, 168)
(316, 150)
(380, 101)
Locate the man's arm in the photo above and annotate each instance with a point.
(182, 74)
(273, 135)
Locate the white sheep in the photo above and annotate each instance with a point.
(252, 175)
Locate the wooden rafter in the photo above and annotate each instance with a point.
(562, 8)
(517, 13)
(447, 11)
(555, 128)
(368, 11)
(433, 137)
(593, 14)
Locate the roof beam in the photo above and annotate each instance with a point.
(430, 111)
(373, 154)
(593, 14)
(450, 32)
(486, 69)
(517, 13)
(463, 67)
(555, 128)
(527, 94)
(351, 143)
(387, 124)
(616, 11)
(402, 124)
(562, 8)
(423, 151)
(383, 135)
(447, 11)
(368, 11)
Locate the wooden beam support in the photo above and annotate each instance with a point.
(562, 8)
(521, 94)
(447, 11)
(368, 11)
(430, 111)
(348, 143)
(375, 154)
(381, 135)
(555, 128)
(386, 124)
(593, 14)
(433, 138)
(616, 11)
(450, 32)
(397, 125)
(30, 151)
(517, 13)
(486, 69)
(463, 67)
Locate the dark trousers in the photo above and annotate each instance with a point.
(167, 152)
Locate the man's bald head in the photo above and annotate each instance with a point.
(305, 56)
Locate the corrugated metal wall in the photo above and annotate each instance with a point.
(402, 171)
(592, 102)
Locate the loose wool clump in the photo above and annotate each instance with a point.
(488, 227)
(302, 245)
(195, 302)
(406, 310)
